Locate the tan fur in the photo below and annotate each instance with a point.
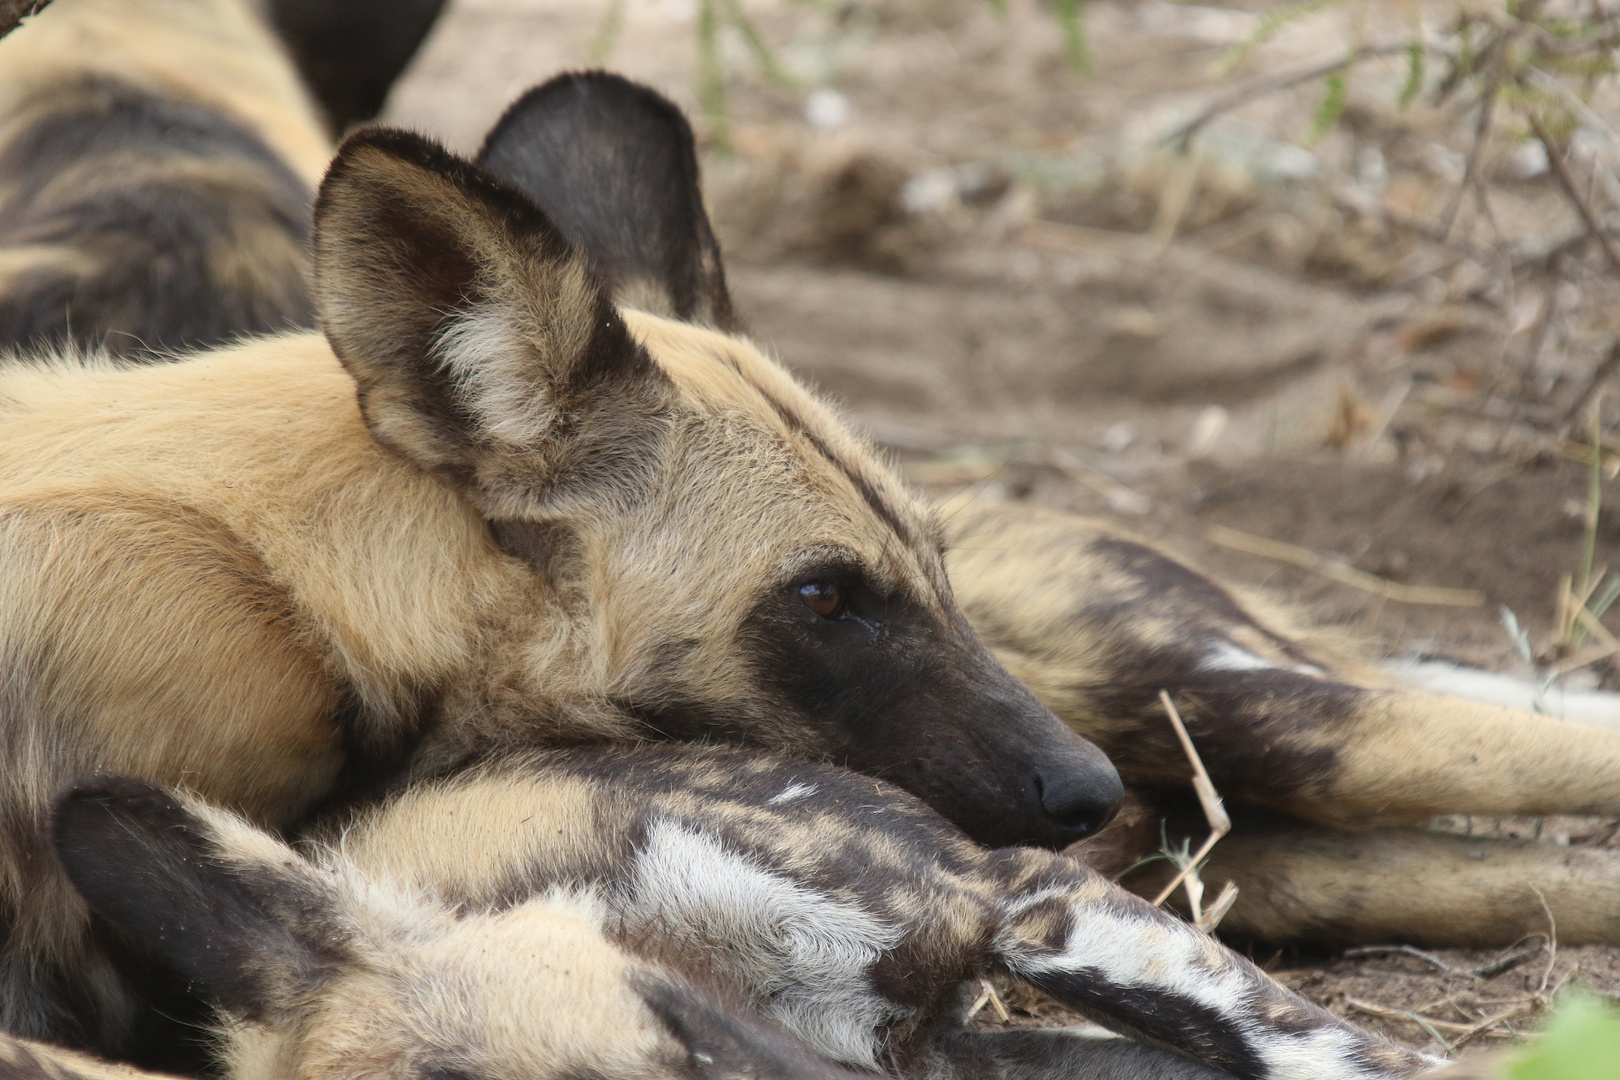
(1097, 629)
(1409, 885)
(25, 1059)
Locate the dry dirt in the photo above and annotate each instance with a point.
(1007, 278)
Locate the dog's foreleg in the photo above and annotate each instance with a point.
(1098, 622)
(1299, 881)
(1143, 972)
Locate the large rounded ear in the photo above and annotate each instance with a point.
(231, 910)
(351, 51)
(614, 165)
(484, 347)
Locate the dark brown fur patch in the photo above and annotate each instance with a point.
(143, 225)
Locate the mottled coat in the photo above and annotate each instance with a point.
(833, 906)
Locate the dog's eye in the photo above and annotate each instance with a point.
(824, 598)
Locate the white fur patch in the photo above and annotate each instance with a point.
(805, 954)
(1226, 656)
(1595, 708)
(496, 372)
(1134, 952)
(791, 793)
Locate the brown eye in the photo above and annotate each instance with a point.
(824, 598)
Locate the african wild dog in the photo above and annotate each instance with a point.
(488, 506)
(289, 596)
(1317, 756)
(834, 906)
(156, 164)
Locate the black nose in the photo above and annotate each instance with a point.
(1080, 795)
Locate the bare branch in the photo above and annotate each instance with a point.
(1572, 191)
(1183, 135)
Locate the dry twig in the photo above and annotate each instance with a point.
(1406, 950)
(1214, 810)
(1183, 136)
(988, 996)
(1343, 572)
(1120, 499)
(1555, 159)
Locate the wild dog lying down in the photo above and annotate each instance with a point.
(266, 627)
(834, 906)
(543, 520)
(1317, 757)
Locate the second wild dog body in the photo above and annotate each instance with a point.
(832, 906)
(157, 159)
(488, 506)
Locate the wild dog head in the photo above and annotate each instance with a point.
(714, 553)
(318, 973)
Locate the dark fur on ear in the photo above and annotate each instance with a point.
(615, 166)
(247, 931)
(483, 345)
(351, 51)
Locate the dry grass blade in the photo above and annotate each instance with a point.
(1552, 940)
(988, 996)
(1183, 135)
(1120, 499)
(1214, 810)
(1212, 916)
(1343, 572)
(1429, 1024)
(1404, 950)
(1572, 191)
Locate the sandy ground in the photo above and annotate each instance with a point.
(1004, 275)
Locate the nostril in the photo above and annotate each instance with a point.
(1081, 797)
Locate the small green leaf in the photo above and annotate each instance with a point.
(607, 34)
(1074, 35)
(1414, 73)
(1270, 25)
(1581, 1043)
(711, 77)
(763, 56)
(1332, 107)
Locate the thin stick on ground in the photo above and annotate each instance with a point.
(1600, 375)
(1214, 810)
(1404, 950)
(1552, 940)
(1182, 136)
(1555, 159)
(1428, 1024)
(1343, 572)
(988, 996)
